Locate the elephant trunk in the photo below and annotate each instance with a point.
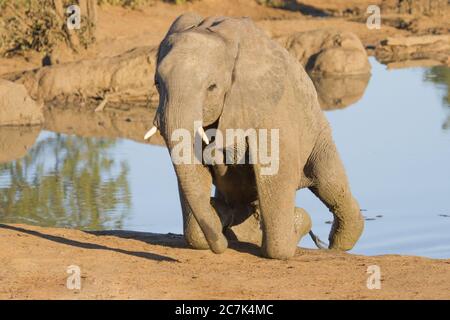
(194, 179)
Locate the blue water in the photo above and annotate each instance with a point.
(397, 157)
(392, 141)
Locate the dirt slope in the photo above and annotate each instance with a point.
(34, 262)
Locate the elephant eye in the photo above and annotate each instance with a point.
(157, 84)
(212, 87)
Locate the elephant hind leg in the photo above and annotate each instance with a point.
(250, 229)
(331, 186)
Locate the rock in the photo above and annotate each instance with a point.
(399, 49)
(415, 7)
(124, 77)
(326, 51)
(128, 77)
(17, 107)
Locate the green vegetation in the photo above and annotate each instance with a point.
(137, 3)
(38, 25)
(126, 3)
(274, 3)
(28, 25)
(440, 75)
(80, 187)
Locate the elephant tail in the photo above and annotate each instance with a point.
(319, 243)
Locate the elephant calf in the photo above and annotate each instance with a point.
(226, 73)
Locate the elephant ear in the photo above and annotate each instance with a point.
(182, 23)
(258, 76)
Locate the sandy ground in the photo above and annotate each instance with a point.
(132, 265)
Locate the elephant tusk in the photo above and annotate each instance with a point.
(202, 133)
(150, 132)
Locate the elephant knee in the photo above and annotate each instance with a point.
(278, 252)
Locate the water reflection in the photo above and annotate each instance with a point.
(340, 92)
(112, 123)
(65, 181)
(16, 141)
(441, 76)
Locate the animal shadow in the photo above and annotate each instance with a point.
(90, 246)
(175, 240)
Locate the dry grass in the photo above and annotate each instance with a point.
(34, 25)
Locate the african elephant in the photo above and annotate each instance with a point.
(226, 73)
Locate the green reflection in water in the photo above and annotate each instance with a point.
(441, 76)
(66, 181)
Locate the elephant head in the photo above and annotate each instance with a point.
(209, 71)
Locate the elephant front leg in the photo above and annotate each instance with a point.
(276, 195)
(277, 211)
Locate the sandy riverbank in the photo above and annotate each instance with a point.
(133, 265)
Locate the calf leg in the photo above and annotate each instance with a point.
(330, 185)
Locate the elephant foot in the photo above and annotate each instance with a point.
(302, 223)
(302, 226)
(250, 230)
(346, 232)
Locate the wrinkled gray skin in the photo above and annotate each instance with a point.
(229, 74)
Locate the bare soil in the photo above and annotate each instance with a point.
(134, 265)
